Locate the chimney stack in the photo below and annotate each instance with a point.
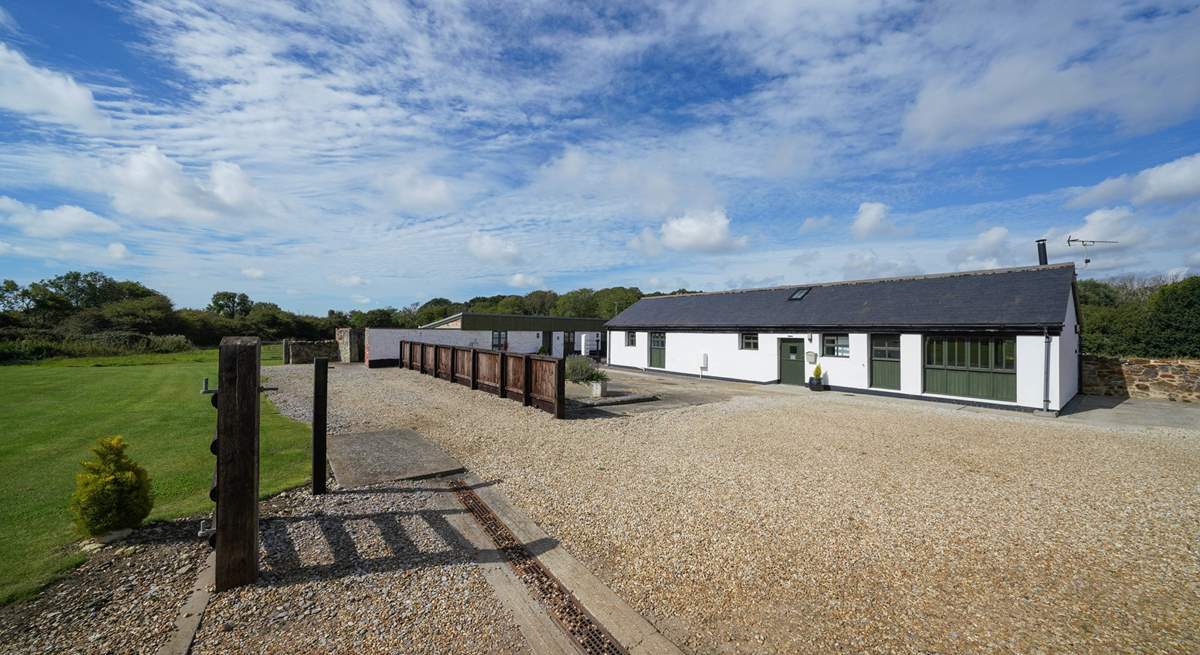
(1042, 260)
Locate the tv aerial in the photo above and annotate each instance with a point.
(1085, 243)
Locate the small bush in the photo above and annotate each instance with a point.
(582, 370)
(112, 492)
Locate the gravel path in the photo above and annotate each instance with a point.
(789, 522)
(369, 571)
(124, 599)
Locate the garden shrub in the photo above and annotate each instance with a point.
(582, 370)
(112, 492)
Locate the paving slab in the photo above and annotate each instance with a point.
(365, 458)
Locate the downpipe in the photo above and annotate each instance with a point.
(1046, 371)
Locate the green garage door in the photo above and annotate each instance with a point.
(885, 361)
(791, 361)
(972, 367)
(658, 350)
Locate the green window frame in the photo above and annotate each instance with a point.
(748, 341)
(499, 339)
(835, 345)
(630, 339)
(972, 353)
(658, 339)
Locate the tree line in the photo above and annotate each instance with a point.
(91, 313)
(1141, 316)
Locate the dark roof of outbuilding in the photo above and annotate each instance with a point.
(1030, 297)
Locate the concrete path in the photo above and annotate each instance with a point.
(367, 458)
(1132, 412)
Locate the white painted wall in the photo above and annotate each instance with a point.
(384, 343)
(726, 360)
(620, 355)
(556, 349)
(1068, 356)
(912, 363)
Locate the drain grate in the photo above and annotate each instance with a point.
(585, 631)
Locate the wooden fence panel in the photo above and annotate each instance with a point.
(462, 366)
(534, 380)
(487, 375)
(428, 358)
(445, 367)
(514, 377)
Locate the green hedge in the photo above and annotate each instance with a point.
(34, 347)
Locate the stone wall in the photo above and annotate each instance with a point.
(304, 352)
(1169, 379)
(351, 343)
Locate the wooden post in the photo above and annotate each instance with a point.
(503, 374)
(287, 356)
(527, 364)
(474, 366)
(320, 412)
(237, 462)
(560, 388)
(453, 364)
(402, 353)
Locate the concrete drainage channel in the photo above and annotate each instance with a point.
(587, 634)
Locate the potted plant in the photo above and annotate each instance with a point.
(581, 370)
(815, 382)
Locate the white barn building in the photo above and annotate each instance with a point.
(1005, 337)
(552, 335)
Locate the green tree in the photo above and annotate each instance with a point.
(436, 309)
(11, 297)
(1095, 292)
(151, 314)
(230, 304)
(540, 303)
(1173, 328)
(580, 303)
(614, 300)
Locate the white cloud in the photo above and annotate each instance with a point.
(7, 22)
(5, 247)
(45, 95)
(117, 251)
(873, 220)
(360, 299)
(814, 224)
(416, 192)
(646, 242)
(991, 249)
(254, 273)
(150, 184)
(61, 221)
(493, 249)
(868, 264)
(694, 231)
(1117, 224)
(1174, 181)
(350, 281)
(524, 281)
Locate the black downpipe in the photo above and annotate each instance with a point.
(1042, 258)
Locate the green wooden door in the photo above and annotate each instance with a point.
(885, 361)
(972, 367)
(791, 361)
(658, 350)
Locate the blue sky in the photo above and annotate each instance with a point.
(360, 154)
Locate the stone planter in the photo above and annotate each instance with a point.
(816, 384)
(599, 389)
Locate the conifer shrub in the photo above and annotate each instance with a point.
(111, 492)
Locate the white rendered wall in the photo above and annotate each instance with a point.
(620, 355)
(912, 364)
(384, 343)
(849, 371)
(1068, 356)
(1031, 358)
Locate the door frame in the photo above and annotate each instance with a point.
(871, 360)
(780, 343)
(650, 350)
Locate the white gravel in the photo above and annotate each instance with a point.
(795, 522)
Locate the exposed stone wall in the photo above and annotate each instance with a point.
(1170, 379)
(304, 352)
(351, 344)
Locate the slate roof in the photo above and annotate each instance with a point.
(1013, 298)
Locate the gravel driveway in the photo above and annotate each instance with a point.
(781, 521)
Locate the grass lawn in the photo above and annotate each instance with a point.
(53, 411)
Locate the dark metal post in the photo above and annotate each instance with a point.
(237, 462)
(320, 411)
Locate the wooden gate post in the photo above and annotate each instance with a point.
(560, 387)
(237, 462)
(320, 411)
